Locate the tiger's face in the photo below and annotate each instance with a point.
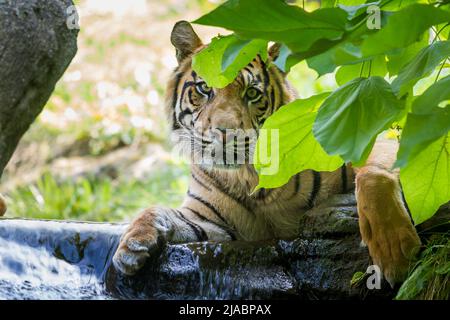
(219, 127)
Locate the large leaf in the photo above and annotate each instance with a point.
(341, 54)
(240, 52)
(373, 67)
(358, 9)
(344, 52)
(427, 123)
(421, 66)
(395, 5)
(276, 21)
(298, 149)
(425, 180)
(220, 62)
(404, 27)
(350, 119)
(432, 97)
(397, 60)
(328, 3)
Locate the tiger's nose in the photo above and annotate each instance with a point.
(224, 134)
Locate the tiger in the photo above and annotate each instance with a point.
(221, 205)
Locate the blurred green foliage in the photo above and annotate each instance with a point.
(97, 199)
(110, 98)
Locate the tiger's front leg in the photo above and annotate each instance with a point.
(158, 225)
(384, 222)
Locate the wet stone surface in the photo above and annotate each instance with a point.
(69, 260)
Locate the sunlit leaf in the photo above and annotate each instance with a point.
(277, 21)
(374, 67)
(328, 3)
(404, 27)
(240, 52)
(220, 62)
(432, 97)
(355, 10)
(350, 119)
(427, 123)
(425, 180)
(298, 149)
(399, 59)
(421, 66)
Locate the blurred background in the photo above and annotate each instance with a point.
(100, 149)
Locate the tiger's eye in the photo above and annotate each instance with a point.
(203, 88)
(253, 94)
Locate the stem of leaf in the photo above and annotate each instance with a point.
(370, 68)
(436, 37)
(362, 69)
(440, 69)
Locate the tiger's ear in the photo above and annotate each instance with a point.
(274, 51)
(184, 39)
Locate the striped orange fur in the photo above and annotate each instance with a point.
(220, 204)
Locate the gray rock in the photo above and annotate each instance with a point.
(60, 260)
(36, 47)
(70, 260)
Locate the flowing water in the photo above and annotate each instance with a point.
(72, 260)
(69, 260)
(55, 260)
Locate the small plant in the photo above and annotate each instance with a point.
(430, 278)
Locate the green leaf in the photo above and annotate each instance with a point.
(351, 2)
(396, 5)
(404, 27)
(432, 97)
(399, 59)
(328, 3)
(425, 180)
(421, 66)
(374, 67)
(274, 20)
(298, 149)
(444, 31)
(427, 123)
(420, 131)
(328, 61)
(357, 279)
(356, 10)
(350, 119)
(220, 62)
(323, 63)
(346, 52)
(240, 53)
(208, 62)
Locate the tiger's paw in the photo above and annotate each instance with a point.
(385, 224)
(139, 240)
(394, 252)
(393, 248)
